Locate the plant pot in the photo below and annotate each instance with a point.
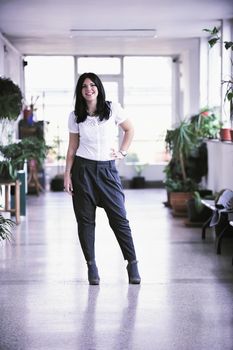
(225, 134)
(179, 202)
(231, 135)
(138, 182)
(168, 202)
(5, 174)
(57, 183)
(197, 216)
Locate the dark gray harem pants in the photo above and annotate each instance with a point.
(97, 183)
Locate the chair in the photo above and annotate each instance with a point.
(219, 218)
(7, 184)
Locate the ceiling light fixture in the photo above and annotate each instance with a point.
(127, 33)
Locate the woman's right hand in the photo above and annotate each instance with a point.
(68, 187)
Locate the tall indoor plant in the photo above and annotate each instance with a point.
(188, 163)
(181, 141)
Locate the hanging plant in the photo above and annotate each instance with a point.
(10, 99)
(227, 83)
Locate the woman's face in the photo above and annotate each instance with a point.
(89, 90)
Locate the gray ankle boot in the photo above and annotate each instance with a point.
(132, 268)
(93, 275)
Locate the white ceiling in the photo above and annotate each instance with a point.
(43, 26)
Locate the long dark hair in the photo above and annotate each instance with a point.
(103, 108)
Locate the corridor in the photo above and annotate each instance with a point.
(185, 300)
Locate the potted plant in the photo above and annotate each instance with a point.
(5, 228)
(10, 107)
(206, 124)
(181, 180)
(139, 180)
(15, 154)
(57, 182)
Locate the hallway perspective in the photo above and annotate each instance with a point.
(185, 300)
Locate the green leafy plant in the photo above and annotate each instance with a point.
(10, 99)
(6, 226)
(181, 141)
(206, 124)
(35, 148)
(188, 162)
(7, 170)
(197, 199)
(15, 154)
(132, 158)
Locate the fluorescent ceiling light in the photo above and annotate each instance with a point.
(128, 33)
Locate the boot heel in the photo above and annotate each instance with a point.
(133, 274)
(93, 275)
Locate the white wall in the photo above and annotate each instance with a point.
(10, 62)
(226, 69)
(204, 53)
(220, 165)
(190, 79)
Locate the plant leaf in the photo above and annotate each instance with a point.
(213, 41)
(215, 30)
(230, 96)
(228, 45)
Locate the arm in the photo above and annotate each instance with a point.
(72, 148)
(128, 129)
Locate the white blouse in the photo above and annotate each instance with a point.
(97, 138)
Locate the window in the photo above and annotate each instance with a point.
(49, 80)
(99, 65)
(147, 99)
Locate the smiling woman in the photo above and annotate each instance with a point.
(91, 176)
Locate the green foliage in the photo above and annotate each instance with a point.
(138, 167)
(35, 148)
(7, 170)
(185, 143)
(198, 204)
(5, 228)
(181, 142)
(177, 184)
(10, 99)
(15, 154)
(206, 124)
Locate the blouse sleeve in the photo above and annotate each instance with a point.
(72, 125)
(118, 113)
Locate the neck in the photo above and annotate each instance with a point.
(91, 108)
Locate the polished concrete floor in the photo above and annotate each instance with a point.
(185, 300)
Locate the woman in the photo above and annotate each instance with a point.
(91, 176)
